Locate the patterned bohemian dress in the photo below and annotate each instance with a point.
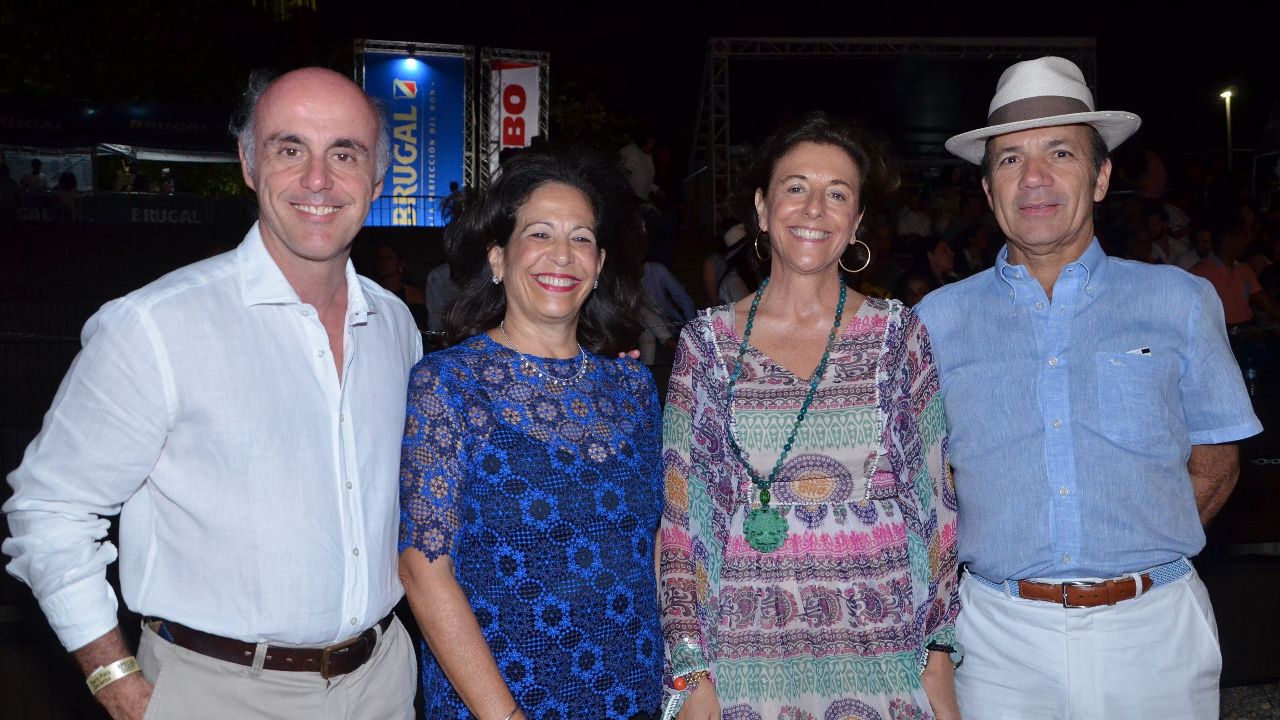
(547, 499)
(832, 625)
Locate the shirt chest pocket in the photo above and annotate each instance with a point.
(1133, 396)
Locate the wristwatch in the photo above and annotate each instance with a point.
(955, 652)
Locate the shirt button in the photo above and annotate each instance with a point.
(354, 621)
(1039, 306)
(348, 484)
(355, 551)
(1066, 559)
(305, 312)
(1088, 289)
(1063, 491)
(342, 417)
(1053, 362)
(1057, 424)
(320, 353)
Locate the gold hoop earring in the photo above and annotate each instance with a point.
(864, 265)
(760, 257)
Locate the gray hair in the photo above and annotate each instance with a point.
(242, 125)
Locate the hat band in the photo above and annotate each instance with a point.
(1036, 108)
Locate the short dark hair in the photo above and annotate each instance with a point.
(610, 320)
(1100, 153)
(869, 152)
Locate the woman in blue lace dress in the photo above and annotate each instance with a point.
(531, 472)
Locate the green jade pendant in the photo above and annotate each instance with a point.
(764, 527)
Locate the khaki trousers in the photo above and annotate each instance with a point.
(191, 686)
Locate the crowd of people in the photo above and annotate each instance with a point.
(981, 503)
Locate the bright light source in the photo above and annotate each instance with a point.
(411, 63)
(1225, 94)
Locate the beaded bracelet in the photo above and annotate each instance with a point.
(107, 674)
(690, 680)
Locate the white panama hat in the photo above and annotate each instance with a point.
(1038, 93)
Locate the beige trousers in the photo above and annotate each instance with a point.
(191, 686)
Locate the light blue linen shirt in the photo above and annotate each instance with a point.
(1071, 421)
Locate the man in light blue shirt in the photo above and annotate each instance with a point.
(1091, 403)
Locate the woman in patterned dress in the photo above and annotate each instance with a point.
(531, 472)
(808, 543)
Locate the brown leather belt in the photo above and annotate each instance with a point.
(331, 661)
(1078, 594)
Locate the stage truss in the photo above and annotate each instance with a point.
(713, 146)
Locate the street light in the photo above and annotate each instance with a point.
(1226, 95)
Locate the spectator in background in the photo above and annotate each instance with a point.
(124, 176)
(9, 192)
(68, 196)
(454, 204)
(940, 261)
(1234, 281)
(882, 272)
(138, 181)
(729, 275)
(388, 269)
(913, 218)
(440, 294)
(667, 309)
(168, 185)
(1165, 248)
(637, 164)
(1153, 180)
(913, 286)
(35, 182)
(973, 209)
(974, 250)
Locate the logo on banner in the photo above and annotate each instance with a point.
(404, 89)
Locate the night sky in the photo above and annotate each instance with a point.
(1165, 61)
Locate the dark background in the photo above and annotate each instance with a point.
(615, 67)
(642, 63)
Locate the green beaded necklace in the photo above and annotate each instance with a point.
(764, 528)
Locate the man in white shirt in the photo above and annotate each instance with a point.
(244, 416)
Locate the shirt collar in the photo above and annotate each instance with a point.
(1091, 261)
(262, 282)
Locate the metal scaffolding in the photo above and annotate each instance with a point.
(485, 137)
(469, 132)
(713, 146)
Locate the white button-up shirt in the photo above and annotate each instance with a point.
(257, 492)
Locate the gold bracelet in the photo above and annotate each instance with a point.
(107, 674)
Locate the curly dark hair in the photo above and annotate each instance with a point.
(869, 152)
(609, 322)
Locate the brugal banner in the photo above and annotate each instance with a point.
(514, 106)
(425, 99)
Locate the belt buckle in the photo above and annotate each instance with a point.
(327, 652)
(1071, 584)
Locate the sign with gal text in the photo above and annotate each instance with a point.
(425, 103)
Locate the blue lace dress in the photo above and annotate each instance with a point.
(547, 499)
